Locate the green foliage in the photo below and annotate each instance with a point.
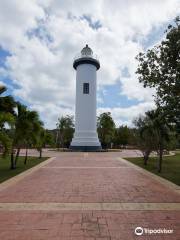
(26, 131)
(159, 67)
(24, 128)
(2, 89)
(6, 142)
(65, 128)
(6, 118)
(48, 139)
(121, 136)
(27, 126)
(106, 129)
(145, 136)
(153, 133)
(43, 138)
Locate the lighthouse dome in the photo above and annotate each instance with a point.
(86, 51)
(86, 57)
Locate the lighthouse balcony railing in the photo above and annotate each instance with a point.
(93, 56)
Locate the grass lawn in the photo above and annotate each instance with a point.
(6, 172)
(170, 167)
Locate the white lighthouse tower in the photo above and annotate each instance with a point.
(85, 136)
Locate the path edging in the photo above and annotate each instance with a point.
(120, 206)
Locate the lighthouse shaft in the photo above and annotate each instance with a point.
(86, 98)
(85, 136)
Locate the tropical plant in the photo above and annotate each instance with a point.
(44, 138)
(27, 127)
(7, 105)
(106, 129)
(121, 136)
(153, 134)
(65, 128)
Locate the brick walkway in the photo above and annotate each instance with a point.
(89, 196)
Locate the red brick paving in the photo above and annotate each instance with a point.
(53, 183)
(114, 225)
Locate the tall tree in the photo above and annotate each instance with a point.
(106, 129)
(159, 67)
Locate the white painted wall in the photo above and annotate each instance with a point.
(85, 115)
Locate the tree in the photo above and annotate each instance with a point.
(159, 67)
(121, 136)
(106, 129)
(34, 126)
(65, 127)
(27, 127)
(145, 137)
(162, 131)
(7, 105)
(24, 129)
(153, 134)
(5, 140)
(44, 138)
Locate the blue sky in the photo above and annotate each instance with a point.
(112, 97)
(39, 39)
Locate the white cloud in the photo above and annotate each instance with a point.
(43, 37)
(16, 18)
(125, 116)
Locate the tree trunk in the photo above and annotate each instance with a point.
(12, 160)
(160, 159)
(25, 160)
(40, 153)
(17, 155)
(146, 157)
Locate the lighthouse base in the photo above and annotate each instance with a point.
(86, 148)
(85, 141)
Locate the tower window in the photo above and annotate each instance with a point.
(86, 88)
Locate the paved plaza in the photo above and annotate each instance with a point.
(87, 196)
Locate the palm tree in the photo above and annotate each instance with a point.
(20, 130)
(7, 105)
(65, 125)
(33, 130)
(27, 126)
(43, 138)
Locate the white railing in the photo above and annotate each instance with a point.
(80, 55)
